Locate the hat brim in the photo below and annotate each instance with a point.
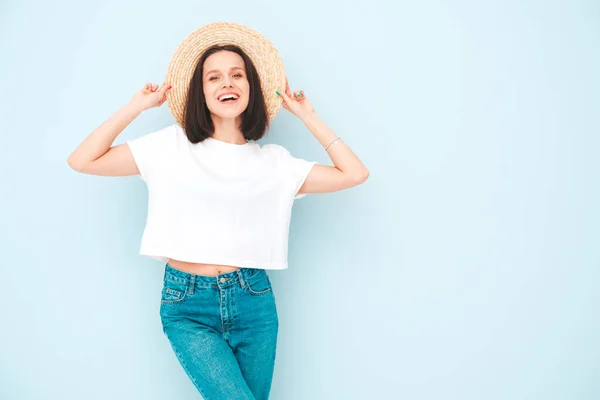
(260, 50)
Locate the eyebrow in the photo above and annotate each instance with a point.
(216, 70)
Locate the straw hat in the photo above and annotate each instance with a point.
(259, 49)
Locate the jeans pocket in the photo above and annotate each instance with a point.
(173, 292)
(259, 284)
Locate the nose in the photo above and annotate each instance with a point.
(227, 82)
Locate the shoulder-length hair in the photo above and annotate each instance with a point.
(198, 124)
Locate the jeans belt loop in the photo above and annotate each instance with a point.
(192, 284)
(242, 280)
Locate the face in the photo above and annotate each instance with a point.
(226, 87)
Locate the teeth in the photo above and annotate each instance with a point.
(228, 96)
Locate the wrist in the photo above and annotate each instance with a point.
(134, 108)
(310, 117)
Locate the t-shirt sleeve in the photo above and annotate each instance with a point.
(149, 150)
(295, 170)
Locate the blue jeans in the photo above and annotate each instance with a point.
(223, 331)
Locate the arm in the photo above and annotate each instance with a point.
(348, 171)
(96, 156)
(99, 142)
(341, 155)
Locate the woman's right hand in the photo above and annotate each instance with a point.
(150, 96)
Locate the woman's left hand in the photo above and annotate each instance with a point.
(296, 102)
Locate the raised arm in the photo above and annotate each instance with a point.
(348, 170)
(96, 156)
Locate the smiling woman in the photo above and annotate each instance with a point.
(219, 204)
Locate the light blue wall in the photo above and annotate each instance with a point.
(466, 267)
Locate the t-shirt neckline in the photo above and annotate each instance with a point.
(217, 142)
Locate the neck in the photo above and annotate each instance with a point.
(227, 130)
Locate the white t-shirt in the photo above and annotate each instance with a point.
(216, 202)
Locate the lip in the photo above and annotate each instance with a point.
(223, 94)
(229, 103)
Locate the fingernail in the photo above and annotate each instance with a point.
(278, 94)
(299, 95)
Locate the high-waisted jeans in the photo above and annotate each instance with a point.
(223, 330)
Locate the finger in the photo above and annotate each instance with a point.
(164, 88)
(287, 89)
(299, 95)
(287, 100)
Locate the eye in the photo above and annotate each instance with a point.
(212, 78)
(238, 74)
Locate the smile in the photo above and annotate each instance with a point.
(228, 98)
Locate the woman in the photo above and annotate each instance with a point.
(219, 203)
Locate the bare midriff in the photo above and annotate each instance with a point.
(201, 269)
